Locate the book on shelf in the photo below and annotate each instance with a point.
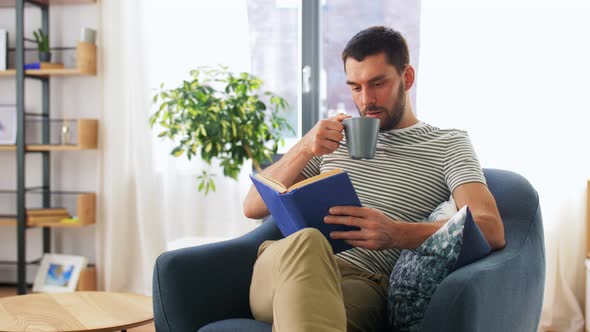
(3, 49)
(44, 65)
(47, 212)
(306, 203)
(44, 219)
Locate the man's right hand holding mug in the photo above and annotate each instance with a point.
(325, 136)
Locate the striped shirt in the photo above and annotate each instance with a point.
(414, 170)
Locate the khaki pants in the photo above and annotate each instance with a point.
(299, 285)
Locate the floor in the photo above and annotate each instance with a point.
(11, 291)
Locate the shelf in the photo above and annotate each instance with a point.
(12, 3)
(41, 148)
(33, 262)
(7, 221)
(47, 72)
(86, 65)
(87, 139)
(85, 211)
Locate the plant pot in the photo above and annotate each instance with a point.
(45, 56)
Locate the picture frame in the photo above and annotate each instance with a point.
(3, 49)
(59, 273)
(7, 124)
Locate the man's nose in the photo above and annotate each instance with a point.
(367, 97)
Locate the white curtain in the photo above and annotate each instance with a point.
(516, 75)
(146, 197)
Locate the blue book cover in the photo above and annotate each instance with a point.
(305, 204)
(34, 65)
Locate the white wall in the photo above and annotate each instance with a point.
(72, 97)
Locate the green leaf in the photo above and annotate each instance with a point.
(162, 134)
(177, 151)
(212, 185)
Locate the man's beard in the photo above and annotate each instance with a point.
(393, 115)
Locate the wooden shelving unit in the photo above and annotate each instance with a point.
(86, 138)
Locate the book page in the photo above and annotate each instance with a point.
(315, 178)
(274, 184)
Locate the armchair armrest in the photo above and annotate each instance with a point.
(195, 286)
(502, 292)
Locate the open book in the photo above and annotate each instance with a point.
(306, 203)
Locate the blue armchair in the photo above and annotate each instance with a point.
(206, 288)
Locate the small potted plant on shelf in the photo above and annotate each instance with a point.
(220, 115)
(42, 41)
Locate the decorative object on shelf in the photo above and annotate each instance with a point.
(8, 124)
(88, 35)
(42, 41)
(71, 220)
(220, 115)
(86, 58)
(3, 49)
(65, 132)
(59, 273)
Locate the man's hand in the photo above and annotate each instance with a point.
(377, 231)
(323, 138)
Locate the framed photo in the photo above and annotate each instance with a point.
(59, 273)
(8, 124)
(3, 49)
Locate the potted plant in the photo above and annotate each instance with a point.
(42, 41)
(219, 115)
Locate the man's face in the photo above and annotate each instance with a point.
(377, 89)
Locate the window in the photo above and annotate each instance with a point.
(275, 53)
(340, 21)
(296, 45)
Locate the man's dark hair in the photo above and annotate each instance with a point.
(375, 40)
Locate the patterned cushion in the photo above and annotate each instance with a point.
(418, 272)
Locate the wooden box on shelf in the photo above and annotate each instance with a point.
(87, 280)
(86, 58)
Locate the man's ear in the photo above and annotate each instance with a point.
(409, 76)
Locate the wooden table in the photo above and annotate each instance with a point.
(77, 311)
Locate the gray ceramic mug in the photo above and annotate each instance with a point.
(361, 137)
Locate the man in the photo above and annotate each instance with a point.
(297, 283)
